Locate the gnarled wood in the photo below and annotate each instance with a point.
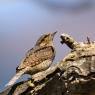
(73, 75)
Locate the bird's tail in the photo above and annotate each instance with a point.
(15, 78)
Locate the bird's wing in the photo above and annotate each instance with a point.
(37, 56)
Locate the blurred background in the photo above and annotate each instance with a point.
(22, 22)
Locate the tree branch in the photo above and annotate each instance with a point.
(73, 75)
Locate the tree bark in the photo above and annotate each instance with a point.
(73, 75)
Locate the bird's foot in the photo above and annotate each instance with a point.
(31, 83)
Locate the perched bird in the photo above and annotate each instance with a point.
(37, 59)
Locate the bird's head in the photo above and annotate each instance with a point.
(46, 39)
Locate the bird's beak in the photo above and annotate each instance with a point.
(53, 34)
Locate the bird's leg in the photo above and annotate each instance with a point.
(31, 83)
(36, 78)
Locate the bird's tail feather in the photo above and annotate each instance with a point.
(15, 78)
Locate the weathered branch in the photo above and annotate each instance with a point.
(73, 75)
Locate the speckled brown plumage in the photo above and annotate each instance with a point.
(38, 58)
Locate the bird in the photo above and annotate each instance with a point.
(37, 59)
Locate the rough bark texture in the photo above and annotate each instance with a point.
(73, 75)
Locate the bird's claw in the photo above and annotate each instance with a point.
(30, 83)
